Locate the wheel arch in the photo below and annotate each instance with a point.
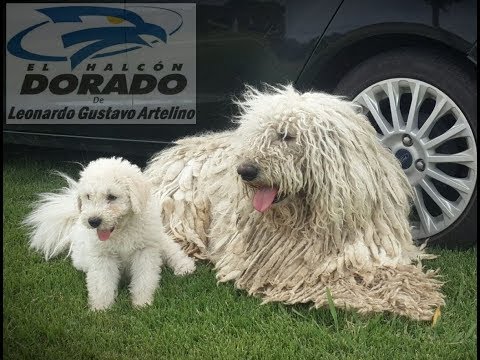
(323, 72)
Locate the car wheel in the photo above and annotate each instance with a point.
(423, 107)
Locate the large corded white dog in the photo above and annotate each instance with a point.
(299, 200)
(110, 222)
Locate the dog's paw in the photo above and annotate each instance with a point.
(184, 267)
(141, 301)
(102, 300)
(99, 306)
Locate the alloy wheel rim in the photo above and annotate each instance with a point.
(434, 143)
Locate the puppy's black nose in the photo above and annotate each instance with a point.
(94, 222)
(247, 172)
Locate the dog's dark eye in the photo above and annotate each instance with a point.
(88, 197)
(111, 197)
(286, 137)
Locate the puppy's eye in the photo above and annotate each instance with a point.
(88, 196)
(111, 197)
(286, 137)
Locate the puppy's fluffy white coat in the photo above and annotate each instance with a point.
(130, 236)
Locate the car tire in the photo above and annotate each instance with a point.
(444, 81)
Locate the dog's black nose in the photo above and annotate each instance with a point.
(247, 172)
(94, 222)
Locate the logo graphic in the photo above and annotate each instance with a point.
(97, 40)
(405, 158)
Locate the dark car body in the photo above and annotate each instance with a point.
(309, 43)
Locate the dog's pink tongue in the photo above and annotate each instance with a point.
(263, 198)
(103, 234)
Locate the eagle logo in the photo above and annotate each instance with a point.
(97, 40)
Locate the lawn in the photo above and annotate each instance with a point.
(46, 315)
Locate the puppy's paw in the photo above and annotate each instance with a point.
(140, 301)
(184, 267)
(100, 305)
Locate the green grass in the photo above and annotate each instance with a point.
(46, 314)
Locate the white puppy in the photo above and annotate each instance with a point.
(110, 222)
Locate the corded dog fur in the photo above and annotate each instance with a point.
(109, 221)
(299, 199)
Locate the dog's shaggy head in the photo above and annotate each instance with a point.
(315, 148)
(110, 190)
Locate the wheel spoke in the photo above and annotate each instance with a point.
(458, 184)
(380, 137)
(446, 206)
(465, 158)
(441, 107)
(418, 95)
(450, 134)
(426, 220)
(372, 106)
(393, 93)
